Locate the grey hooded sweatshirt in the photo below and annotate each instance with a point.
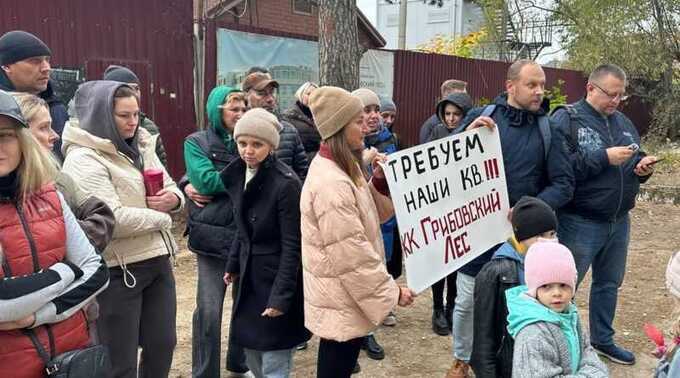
(94, 106)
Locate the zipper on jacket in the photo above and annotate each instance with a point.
(29, 236)
(620, 169)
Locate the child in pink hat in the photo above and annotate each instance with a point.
(545, 324)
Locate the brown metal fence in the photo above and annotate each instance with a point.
(418, 76)
(152, 37)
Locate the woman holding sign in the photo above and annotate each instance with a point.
(108, 155)
(348, 291)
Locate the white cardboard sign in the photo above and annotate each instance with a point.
(451, 203)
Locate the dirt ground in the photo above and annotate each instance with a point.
(413, 350)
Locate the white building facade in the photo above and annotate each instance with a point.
(424, 21)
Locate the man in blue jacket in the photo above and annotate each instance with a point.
(536, 164)
(608, 167)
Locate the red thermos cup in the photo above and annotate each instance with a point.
(153, 181)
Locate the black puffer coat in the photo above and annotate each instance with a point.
(301, 118)
(291, 151)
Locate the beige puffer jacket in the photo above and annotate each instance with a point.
(347, 289)
(100, 170)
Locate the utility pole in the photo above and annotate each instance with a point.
(199, 65)
(403, 8)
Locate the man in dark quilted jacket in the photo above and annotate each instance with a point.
(261, 92)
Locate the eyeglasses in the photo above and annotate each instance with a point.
(612, 97)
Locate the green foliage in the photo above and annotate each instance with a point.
(641, 36)
(483, 101)
(555, 95)
(463, 46)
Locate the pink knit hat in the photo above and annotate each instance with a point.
(548, 262)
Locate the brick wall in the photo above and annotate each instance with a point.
(275, 15)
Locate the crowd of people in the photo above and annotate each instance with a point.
(292, 210)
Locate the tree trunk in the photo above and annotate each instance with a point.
(339, 49)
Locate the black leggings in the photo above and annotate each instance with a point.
(438, 292)
(140, 316)
(337, 359)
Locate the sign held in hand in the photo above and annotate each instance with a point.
(451, 201)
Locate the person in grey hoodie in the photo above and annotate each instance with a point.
(107, 154)
(125, 75)
(549, 336)
(451, 111)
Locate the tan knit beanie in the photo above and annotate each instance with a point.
(333, 108)
(259, 123)
(367, 96)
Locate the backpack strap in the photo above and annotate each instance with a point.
(546, 134)
(574, 124)
(488, 110)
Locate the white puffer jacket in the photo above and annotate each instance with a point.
(101, 170)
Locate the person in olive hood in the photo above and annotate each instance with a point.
(211, 227)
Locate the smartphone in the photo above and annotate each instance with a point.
(656, 161)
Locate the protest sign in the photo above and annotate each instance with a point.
(451, 202)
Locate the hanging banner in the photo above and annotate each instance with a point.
(451, 201)
(376, 71)
(291, 62)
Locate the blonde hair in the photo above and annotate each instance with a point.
(30, 104)
(236, 97)
(347, 159)
(453, 85)
(36, 168)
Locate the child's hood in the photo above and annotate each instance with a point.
(524, 310)
(508, 251)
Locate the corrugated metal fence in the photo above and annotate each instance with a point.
(152, 37)
(418, 77)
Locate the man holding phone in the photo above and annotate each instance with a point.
(608, 166)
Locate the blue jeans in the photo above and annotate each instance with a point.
(604, 245)
(463, 320)
(270, 364)
(207, 323)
